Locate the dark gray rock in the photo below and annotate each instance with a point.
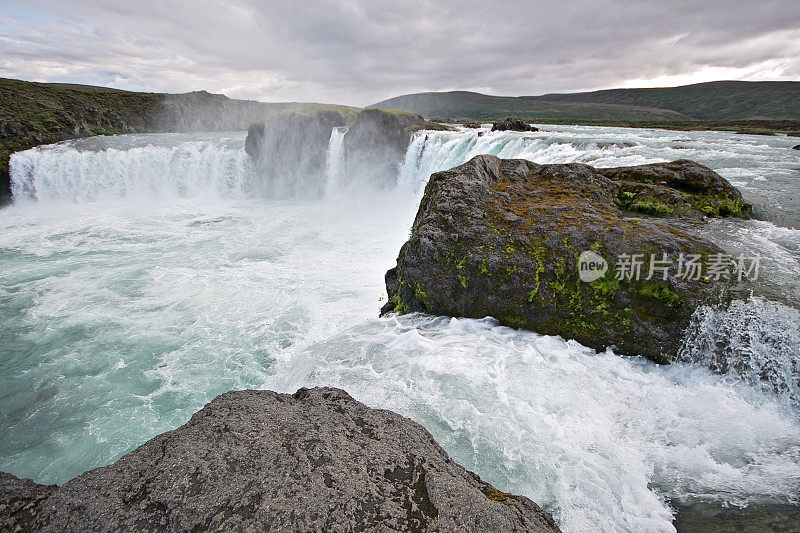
(375, 144)
(755, 518)
(502, 238)
(19, 502)
(796, 147)
(514, 124)
(261, 461)
(290, 150)
(679, 188)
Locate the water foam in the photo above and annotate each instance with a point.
(757, 342)
(121, 319)
(604, 442)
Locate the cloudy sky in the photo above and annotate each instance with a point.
(358, 53)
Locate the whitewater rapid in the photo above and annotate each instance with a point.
(139, 278)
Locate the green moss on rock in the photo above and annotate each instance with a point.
(502, 238)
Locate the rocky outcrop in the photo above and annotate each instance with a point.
(375, 144)
(261, 461)
(514, 124)
(503, 238)
(290, 150)
(19, 502)
(681, 188)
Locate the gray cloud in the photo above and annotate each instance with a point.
(360, 52)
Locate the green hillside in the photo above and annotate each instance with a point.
(715, 101)
(719, 100)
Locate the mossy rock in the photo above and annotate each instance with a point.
(681, 188)
(502, 238)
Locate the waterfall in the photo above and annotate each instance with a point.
(334, 160)
(106, 167)
(217, 166)
(431, 152)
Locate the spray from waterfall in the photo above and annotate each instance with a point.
(755, 342)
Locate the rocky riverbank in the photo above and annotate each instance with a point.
(316, 460)
(505, 238)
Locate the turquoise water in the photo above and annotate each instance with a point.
(139, 278)
(119, 323)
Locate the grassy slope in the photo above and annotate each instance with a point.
(33, 113)
(463, 104)
(742, 104)
(39, 113)
(721, 100)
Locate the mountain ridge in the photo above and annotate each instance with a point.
(727, 100)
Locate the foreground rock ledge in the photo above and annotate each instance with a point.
(261, 461)
(502, 238)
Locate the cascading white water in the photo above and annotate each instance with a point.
(434, 151)
(144, 166)
(334, 160)
(120, 319)
(764, 168)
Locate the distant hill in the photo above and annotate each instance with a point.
(39, 113)
(714, 101)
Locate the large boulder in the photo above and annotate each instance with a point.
(503, 238)
(680, 188)
(261, 461)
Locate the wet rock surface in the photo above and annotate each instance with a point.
(316, 460)
(503, 238)
(290, 150)
(513, 124)
(375, 144)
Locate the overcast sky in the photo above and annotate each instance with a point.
(358, 53)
